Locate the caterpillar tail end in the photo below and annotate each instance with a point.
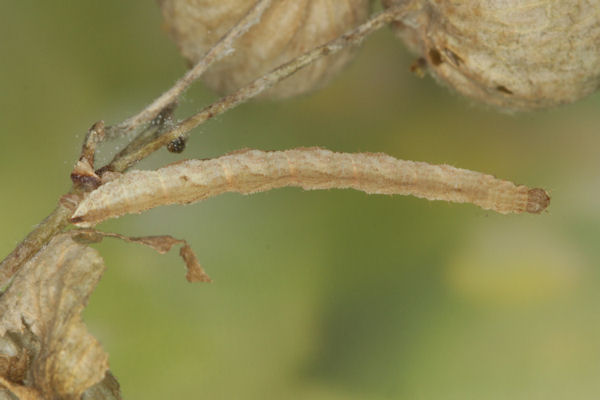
(537, 200)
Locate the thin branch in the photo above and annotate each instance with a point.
(84, 179)
(352, 38)
(154, 130)
(222, 48)
(46, 230)
(251, 171)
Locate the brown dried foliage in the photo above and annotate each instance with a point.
(162, 244)
(45, 300)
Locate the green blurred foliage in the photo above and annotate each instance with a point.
(320, 295)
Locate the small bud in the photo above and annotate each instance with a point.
(176, 145)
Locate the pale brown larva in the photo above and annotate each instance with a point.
(287, 29)
(250, 171)
(513, 54)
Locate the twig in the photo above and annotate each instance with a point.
(218, 51)
(263, 83)
(53, 224)
(251, 171)
(158, 126)
(84, 179)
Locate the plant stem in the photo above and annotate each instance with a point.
(53, 224)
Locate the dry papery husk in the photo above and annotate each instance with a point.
(286, 30)
(513, 54)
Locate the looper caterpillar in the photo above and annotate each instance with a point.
(250, 171)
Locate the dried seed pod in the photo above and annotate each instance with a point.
(287, 29)
(513, 54)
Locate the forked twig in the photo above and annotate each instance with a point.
(154, 130)
(352, 38)
(218, 51)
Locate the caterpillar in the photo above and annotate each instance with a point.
(250, 171)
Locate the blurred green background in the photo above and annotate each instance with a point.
(317, 295)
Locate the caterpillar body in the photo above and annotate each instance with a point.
(250, 171)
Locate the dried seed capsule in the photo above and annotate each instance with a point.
(287, 29)
(513, 54)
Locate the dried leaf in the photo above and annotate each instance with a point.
(6, 394)
(14, 360)
(83, 175)
(195, 271)
(108, 389)
(47, 297)
(162, 244)
(250, 171)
